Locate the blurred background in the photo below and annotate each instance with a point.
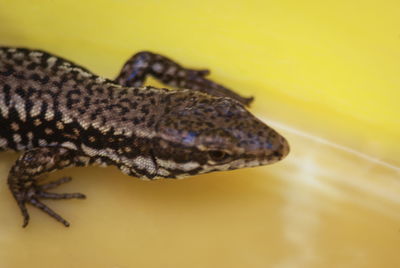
(325, 74)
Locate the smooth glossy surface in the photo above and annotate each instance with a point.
(324, 73)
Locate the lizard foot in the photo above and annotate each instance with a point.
(33, 193)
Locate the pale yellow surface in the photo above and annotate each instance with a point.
(324, 73)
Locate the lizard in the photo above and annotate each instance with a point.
(59, 115)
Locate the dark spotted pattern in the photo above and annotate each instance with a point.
(62, 115)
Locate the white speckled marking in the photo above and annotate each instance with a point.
(17, 138)
(168, 164)
(69, 145)
(146, 163)
(20, 107)
(3, 107)
(163, 172)
(35, 110)
(42, 142)
(49, 114)
(3, 143)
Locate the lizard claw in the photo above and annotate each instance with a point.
(202, 72)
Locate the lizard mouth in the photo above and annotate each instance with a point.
(262, 157)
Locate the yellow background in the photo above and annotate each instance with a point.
(324, 73)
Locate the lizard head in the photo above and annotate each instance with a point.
(199, 133)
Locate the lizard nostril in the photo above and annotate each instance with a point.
(277, 154)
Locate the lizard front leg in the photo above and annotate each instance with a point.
(135, 70)
(23, 179)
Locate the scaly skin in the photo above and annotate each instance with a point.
(60, 115)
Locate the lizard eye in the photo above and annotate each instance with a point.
(218, 155)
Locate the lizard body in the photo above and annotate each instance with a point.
(59, 114)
